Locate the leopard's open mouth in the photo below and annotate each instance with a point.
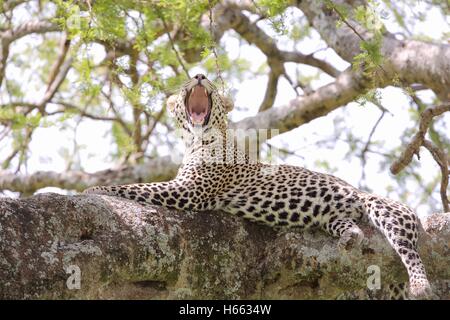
(198, 105)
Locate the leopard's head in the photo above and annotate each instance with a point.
(199, 107)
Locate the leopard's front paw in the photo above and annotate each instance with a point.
(350, 238)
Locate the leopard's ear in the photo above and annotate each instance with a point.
(172, 102)
(228, 104)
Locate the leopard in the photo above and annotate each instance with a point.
(215, 176)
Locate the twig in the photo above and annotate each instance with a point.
(213, 47)
(347, 23)
(285, 151)
(172, 44)
(342, 17)
(155, 122)
(68, 106)
(53, 88)
(19, 149)
(306, 88)
(368, 142)
(64, 48)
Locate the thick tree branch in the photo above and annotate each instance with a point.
(159, 169)
(410, 60)
(35, 26)
(348, 86)
(125, 250)
(231, 18)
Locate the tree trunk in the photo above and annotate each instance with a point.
(125, 250)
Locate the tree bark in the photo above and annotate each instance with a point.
(125, 250)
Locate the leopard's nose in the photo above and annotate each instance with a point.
(199, 77)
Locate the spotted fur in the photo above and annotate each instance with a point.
(275, 195)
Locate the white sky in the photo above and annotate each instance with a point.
(48, 143)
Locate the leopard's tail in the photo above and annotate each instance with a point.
(400, 225)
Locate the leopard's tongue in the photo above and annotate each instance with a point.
(198, 118)
(198, 104)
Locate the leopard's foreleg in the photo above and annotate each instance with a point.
(171, 194)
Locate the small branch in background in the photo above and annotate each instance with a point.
(438, 154)
(413, 147)
(117, 115)
(309, 59)
(284, 151)
(54, 86)
(6, 163)
(442, 160)
(418, 87)
(152, 128)
(67, 106)
(294, 86)
(64, 48)
(306, 88)
(135, 103)
(19, 149)
(368, 143)
(5, 132)
(271, 91)
(344, 20)
(380, 106)
(4, 53)
(172, 44)
(422, 106)
(213, 47)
